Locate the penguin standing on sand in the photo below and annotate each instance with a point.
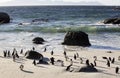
(113, 60)
(87, 62)
(108, 63)
(65, 53)
(5, 53)
(116, 70)
(21, 67)
(95, 64)
(34, 62)
(110, 58)
(68, 67)
(45, 49)
(52, 52)
(81, 60)
(21, 52)
(52, 60)
(33, 48)
(71, 62)
(75, 56)
(16, 54)
(95, 57)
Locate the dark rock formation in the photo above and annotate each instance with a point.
(38, 40)
(112, 21)
(88, 69)
(33, 55)
(43, 62)
(4, 18)
(76, 38)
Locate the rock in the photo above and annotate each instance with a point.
(117, 21)
(88, 69)
(76, 38)
(38, 40)
(43, 62)
(112, 21)
(33, 55)
(4, 18)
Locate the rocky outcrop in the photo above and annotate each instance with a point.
(38, 40)
(76, 38)
(4, 18)
(112, 21)
(88, 69)
(33, 55)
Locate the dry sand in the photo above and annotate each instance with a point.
(10, 69)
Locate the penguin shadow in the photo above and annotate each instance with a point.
(104, 72)
(109, 74)
(26, 71)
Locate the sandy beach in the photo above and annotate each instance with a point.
(10, 69)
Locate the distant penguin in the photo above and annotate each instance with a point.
(91, 64)
(75, 56)
(108, 63)
(33, 48)
(8, 53)
(45, 49)
(110, 58)
(95, 57)
(13, 53)
(21, 52)
(52, 60)
(16, 54)
(65, 53)
(52, 52)
(5, 53)
(68, 67)
(14, 58)
(66, 58)
(71, 62)
(113, 60)
(87, 62)
(95, 64)
(81, 60)
(116, 70)
(105, 58)
(21, 67)
(34, 62)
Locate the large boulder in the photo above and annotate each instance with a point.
(112, 21)
(76, 38)
(33, 55)
(38, 40)
(4, 18)
(88, 69)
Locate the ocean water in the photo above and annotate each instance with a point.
(52, 22)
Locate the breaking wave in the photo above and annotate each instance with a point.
(61, 29)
